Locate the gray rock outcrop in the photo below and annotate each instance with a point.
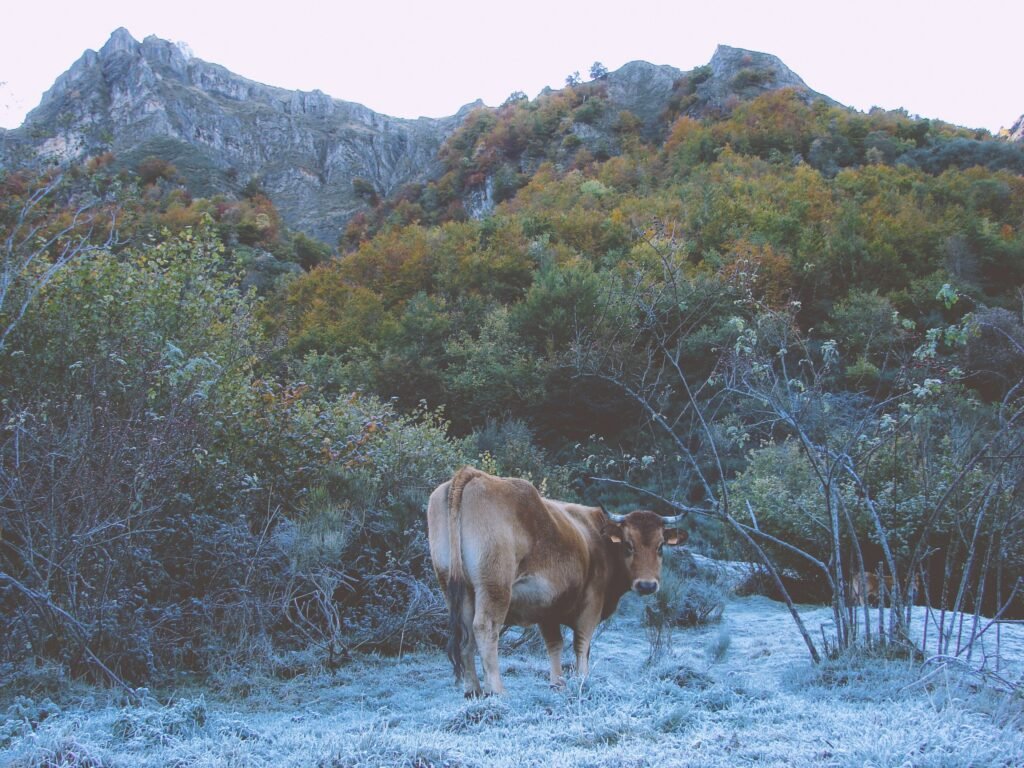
(1016, 132)
(643, 89)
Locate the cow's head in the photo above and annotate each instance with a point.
(640, 539)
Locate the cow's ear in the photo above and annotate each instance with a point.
(674, 536)
(612, 532)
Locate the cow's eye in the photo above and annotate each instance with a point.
(628, 547)
(661, 548)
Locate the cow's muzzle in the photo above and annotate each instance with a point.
(644, 587)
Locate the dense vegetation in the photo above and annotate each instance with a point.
(218, 437)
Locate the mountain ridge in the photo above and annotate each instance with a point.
(315, 156)
(222, 130)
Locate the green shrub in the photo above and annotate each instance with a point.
(751, 77)
(508, 449)
(589, 112)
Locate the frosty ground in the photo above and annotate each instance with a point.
(742, 692)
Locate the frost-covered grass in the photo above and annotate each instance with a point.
(739, 693)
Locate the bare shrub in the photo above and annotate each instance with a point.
(680, 603)
(916, 475)
(394, 611)
(719, 644)
(154, 725)
(91, 500)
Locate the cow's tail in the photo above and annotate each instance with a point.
(458, 631)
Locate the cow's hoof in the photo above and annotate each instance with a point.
(474, 694)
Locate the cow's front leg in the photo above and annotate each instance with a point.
(552, 634)
(582, 634)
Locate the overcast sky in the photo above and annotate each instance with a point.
(959, 62)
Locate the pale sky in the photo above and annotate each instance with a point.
(956, 61)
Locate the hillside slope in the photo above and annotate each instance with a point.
(320, 159)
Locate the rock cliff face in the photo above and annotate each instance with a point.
(643, 89)
(1016, 132)
(220, 130)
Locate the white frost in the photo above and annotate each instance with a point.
(762, 703)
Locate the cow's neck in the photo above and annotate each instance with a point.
(618, 581)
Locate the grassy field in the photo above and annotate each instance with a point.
(741, 692)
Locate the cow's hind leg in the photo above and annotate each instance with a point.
(492, 602)
(552, 634)
(470, 681)
(461, 642)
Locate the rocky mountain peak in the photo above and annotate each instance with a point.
(121, 41)
(220, 130)
(728, 63)
(735, 75)
(168, 54)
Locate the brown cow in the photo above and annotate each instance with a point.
(505, 555)
(872, 595)
(858, 596)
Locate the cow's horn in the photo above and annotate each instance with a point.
(674, 519)
(613, 517)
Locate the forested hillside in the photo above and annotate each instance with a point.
(799, 323)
